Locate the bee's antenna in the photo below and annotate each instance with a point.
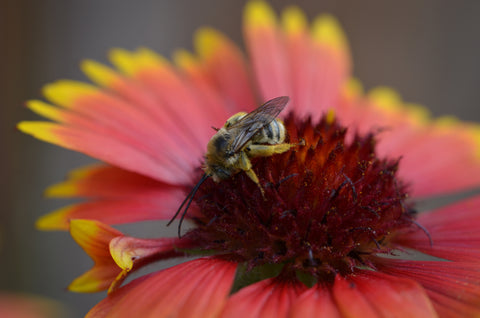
(189, 198)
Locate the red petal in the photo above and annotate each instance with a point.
(454, 287)
(224, 65)
(268, 298)
(104, 181)
(112, 212)
(117, 149)
(197, 288)
(315, 302)
(409, 134)
(393, 296)
(205, 91)
(453, 229)
(156, 104)
(267, 50)
(350, 300)
(329, 55)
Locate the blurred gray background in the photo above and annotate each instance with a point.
(428, 50)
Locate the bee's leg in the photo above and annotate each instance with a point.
(246, 165)
(268, 150)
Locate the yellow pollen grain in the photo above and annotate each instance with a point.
(294, 20)
(98, 73)
(330, 116)
(259, 14)
(327, 30)
(65, 92)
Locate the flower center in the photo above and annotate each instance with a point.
(328, 205)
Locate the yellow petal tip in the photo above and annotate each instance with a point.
(123, 60)
(45, 110)
(207, 41)
(39, 129)
(294, 20)
(54, 221)
(86, 284)
(327, 30)
(385, 97)
(353, 87)
(65, 92)
(146, 58)
(259, 14)
(61, 190)
(184, 59)
(98, 73)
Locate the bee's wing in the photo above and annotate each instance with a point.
(251, 123)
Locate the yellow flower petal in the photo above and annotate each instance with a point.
(185, 60)
(259, 14)
(98, 73)
(327, 30)
(40, 129)
(294, 20)
(207, 42)
(385, 98)
(45, 110)
(64, 92)
(56, 220)
(123, 60)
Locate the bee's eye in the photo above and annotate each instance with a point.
(221, 142)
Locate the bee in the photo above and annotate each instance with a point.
(244, 136)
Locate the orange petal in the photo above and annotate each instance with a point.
(94, 238)
(197, 288)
